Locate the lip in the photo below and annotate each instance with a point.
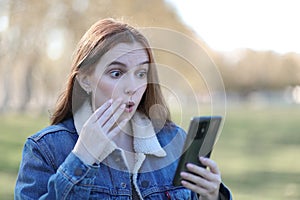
(129, 106)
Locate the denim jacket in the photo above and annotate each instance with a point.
(49, 169)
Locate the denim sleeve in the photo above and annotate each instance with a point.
(38, 179)
(225, 194)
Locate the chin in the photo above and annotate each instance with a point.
(126, 115)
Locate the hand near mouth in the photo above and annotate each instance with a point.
(99, 129)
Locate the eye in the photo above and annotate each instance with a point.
(142, 74)
(115, 73)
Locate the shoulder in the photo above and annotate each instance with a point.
(62, 129)
(53, 143)
(56, 137)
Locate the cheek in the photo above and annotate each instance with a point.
(103, 92)
(141, 91)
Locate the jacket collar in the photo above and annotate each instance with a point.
(145, 140)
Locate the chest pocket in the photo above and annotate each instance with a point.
(171, 194)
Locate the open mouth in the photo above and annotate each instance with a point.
(129, 106)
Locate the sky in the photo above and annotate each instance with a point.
(232, 24)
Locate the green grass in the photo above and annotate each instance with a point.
(14, 130)
(257, 152)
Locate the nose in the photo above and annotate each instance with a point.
(129, 91)
(130, 86)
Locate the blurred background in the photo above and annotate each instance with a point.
(255, 45)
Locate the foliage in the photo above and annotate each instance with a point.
(37, 44)
(250, 70)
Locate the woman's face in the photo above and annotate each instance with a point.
(121, 73)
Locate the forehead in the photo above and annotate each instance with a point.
(131, 52)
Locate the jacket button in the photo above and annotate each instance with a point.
(145, 184)
(78, 172)
(123, 185)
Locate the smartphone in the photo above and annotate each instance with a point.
(200, 140)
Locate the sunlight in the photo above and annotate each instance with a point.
(55, 43)
(233, 24)
(4, 22)
(296, 94)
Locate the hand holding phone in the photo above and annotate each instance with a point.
(201, 137)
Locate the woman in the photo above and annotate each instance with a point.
(111, 135)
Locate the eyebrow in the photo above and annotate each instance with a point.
(124, 65)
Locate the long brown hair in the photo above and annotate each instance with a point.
(99, 39)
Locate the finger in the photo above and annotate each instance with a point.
(212, 165)
(193, 187)
(199, 182)
(96, 115)
(113, 119)
(109, 112)
(204, 173)
(200, 171)
(115, 131)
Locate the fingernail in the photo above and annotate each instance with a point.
(183, 182)
(203, 158)
(189, 165)
(183, 174)
(123, 106)
(110, 101)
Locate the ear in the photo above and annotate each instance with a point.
(84, 82)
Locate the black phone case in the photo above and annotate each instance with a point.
(200, 140)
